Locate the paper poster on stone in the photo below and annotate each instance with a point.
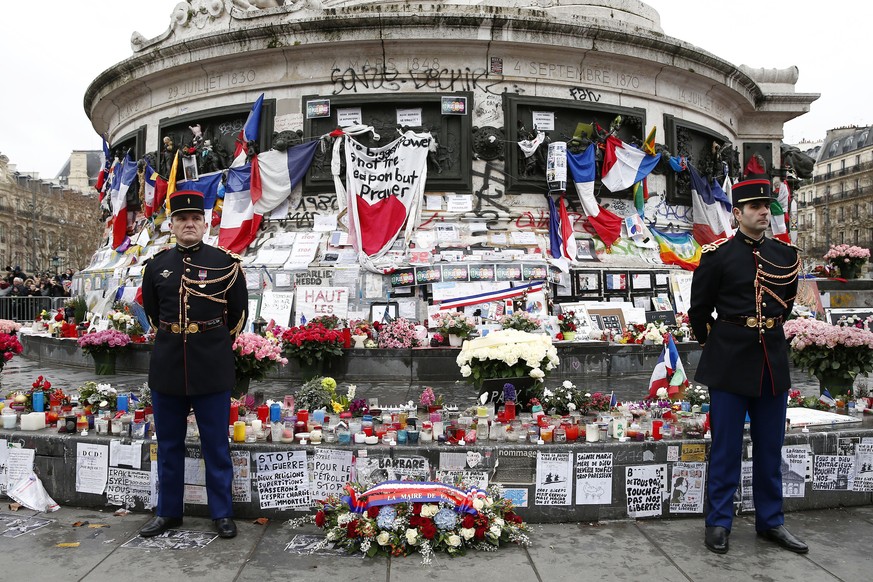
(4, 461)
(744, 495)
(863, 468)
(405, 468)
(644, 489)
(553, 485)
(129, 488)
(846, 445)
(594, 478)
(173, 539)
(312, 302)
(464, 470)
(241, 486)
(794, 461)
(687, 482)
(282, 479)
(92, 464)
(331, 470)
(517, 495)
(276, 307)
(121, 454)
(832, 473)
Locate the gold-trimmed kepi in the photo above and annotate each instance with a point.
(749, 190)
(186, 201)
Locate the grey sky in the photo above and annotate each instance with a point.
(53, 49)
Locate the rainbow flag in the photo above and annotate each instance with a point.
(678, 248)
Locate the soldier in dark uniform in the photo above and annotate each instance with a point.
(195, 296)
(750, 281)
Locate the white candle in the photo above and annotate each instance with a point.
(257, 425)
(592, 432)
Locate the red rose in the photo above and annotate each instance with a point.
(319, 519)
(467, 522)
(416, 509)
(560, 336)
(480, 533)
(511, 517)
(428, 529)
(47, 385)
(415, 521)
(372, 512)
(352, 529)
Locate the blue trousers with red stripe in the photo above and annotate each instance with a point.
(171, 422)
(767, 426)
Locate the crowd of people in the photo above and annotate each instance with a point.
(17, 283)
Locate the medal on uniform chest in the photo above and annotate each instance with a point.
(202, 276)
(165, 273)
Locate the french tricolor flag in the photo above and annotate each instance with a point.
(239, 223)
(712, 210)
(275, 174)
(248, 133)
(669, 372)
(126, 176)
(606, 224)
(625, 165)
(561, 237)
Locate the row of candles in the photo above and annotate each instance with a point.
(274, 423)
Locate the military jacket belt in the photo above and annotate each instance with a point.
(196, 299)
(752, 282)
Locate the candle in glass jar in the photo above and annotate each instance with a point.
(239, 432)
(257, 425)
(234, 413)
(592, 432)
(656, 429)
(572, 432)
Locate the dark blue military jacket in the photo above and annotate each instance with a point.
(196, 298)
(742, 279)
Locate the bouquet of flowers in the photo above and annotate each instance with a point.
(399, 333)
(598, 402)
(824, 349)
(255, 355)
(312, 342)
(454, 323)
(40, 385)
(507, 353)
(522, 321)
(428, 399)
(98, 395)
(342, 403)
(796, 400)
(123, 320)
(362, 327)
(8, 326)
(329, 321)
(103, 341)
(562, 400)
(9, 347)
(316, 393)
(633, 334)
(567, 322)
(403, 528)
(848, 259)
(697, 396)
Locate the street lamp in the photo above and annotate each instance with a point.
(56, 263)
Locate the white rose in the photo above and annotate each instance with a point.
(466, 371)
(454, 540)
(499, 521)
(332, 536)
(535, 373)
(468, 532)
(478, 504)
(429, 510)
(568, 385)
(411, 535)
(383, 538)
(488, 502)
(571, 407)
(662, 392)
(495, 530)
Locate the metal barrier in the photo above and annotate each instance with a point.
(23, 309)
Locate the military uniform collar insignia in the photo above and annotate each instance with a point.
(192, 249)
(751, 241)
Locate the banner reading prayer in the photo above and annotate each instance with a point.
(384, 188)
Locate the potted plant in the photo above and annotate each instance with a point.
(312, 345)
(98, 396)
(361, 331)
(103, 346)
(522, 321)
(75, 308)
(456, 325)
(835, 354)
(567, 324)
(254, 356)
(398, 334)
(508, 353)
(316, 393)
(430, 401)
(848, 259)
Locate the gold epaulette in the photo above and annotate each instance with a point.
(232, 255)
(713, 245)
(788, 244)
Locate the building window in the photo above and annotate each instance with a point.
(855, 213)
(842, 164)
(858, 160)
(842, 237)
(856, 236)
(842, 213)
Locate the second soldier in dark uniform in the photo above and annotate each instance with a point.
(750, 281)
(195, 297)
